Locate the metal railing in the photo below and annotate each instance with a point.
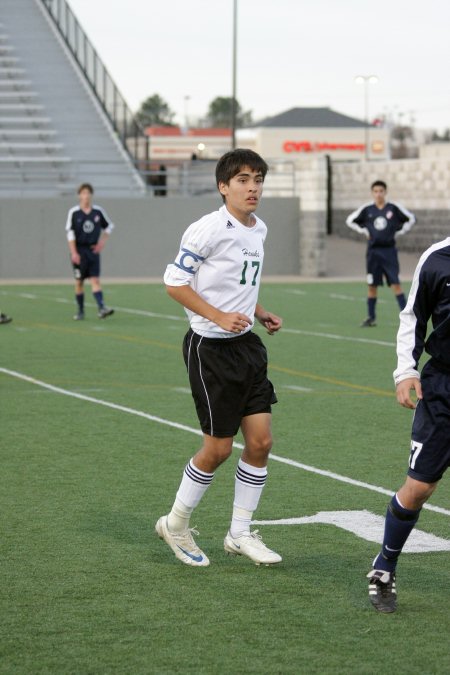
(129, 131)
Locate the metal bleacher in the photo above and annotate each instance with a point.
(28, 153)
(55, 129)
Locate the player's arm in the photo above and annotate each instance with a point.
(411, 337)
(407, 219)
(233, 322)
(70, 233)
(107, 228)
(271, 322)
(356, 220)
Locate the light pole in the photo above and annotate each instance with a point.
(233, 96)
(186, 118)
(366, 80)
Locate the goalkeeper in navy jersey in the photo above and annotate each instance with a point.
(216, 276)
(381, 222)
(429, 298)
(87, 227)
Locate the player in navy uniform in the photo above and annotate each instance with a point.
(381, 222)
(88, 228)
(216, 276)
(430, 439)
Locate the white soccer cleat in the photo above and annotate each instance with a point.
(182, 544)
(252, 546)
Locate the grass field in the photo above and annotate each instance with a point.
(92, 455)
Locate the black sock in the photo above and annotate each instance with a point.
(398, 526)
(79, 297)
(371, 302)
(98, 295)
(401, 300)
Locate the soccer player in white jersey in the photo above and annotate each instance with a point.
(216, 277)
(429, 298)
(381, 222)
(87, 228)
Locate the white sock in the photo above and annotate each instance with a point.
(248, 487)
(192, 488)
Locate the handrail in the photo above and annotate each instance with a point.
(130, 132)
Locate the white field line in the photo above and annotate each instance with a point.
(197, 432)
(332, 336)
(171, 317)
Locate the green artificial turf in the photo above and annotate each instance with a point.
(87, 587)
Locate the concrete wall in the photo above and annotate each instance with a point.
(421, 185)
(33, 243)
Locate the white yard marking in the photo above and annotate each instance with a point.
(171, 317)
(197, 432)
(28, 296)
(294, 387)
(295, 291)
(342, 296)
(332, 336)
(182, 390)
(366, 525)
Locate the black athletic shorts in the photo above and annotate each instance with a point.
(382, 262)
(228, 378)
(89, 264)
(430, 438)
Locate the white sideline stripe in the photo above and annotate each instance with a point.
(332, 336)
(368, 526)
(197, 432)
(171, 317)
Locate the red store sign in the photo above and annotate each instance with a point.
(308, 146)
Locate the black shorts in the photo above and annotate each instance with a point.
(382, 262)
(228, 378)
(89, 264)
(430, 437)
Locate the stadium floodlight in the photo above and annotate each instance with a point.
(366, 80)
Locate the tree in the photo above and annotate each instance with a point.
(155, 111)
(220, 112)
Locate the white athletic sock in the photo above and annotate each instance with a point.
(192, 488)
(248, 487)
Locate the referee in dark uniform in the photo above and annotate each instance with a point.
(381, 221)
(88, 228)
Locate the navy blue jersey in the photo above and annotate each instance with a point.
(85, 228)
(429, 298)
(381, 225)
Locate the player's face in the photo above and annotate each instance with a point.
(243, 193)
(85, 199)
(379, 195)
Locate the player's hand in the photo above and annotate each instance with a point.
(271, 322)
(96, 248)
(75, 257)
(404, 389)
(233, 322)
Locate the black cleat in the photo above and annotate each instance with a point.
(79, 316)
(5, 319)
(104, 312)
(382, 591)
(368, 323)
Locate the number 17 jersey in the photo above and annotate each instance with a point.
(221, 259)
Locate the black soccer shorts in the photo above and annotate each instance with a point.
(89, 264)
(382, 262)
(430, 438)
(228, 378)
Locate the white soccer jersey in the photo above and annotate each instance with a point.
(221, 259)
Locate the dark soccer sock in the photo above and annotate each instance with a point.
(401, 300)
(398, 526)
(98, 295)
(371, 302)
(79, 297)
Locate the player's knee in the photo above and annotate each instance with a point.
(260, 447)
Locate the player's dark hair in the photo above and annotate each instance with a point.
(379, 183)
(230, 164)
(86, 186)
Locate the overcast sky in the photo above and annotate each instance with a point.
(290, 53)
